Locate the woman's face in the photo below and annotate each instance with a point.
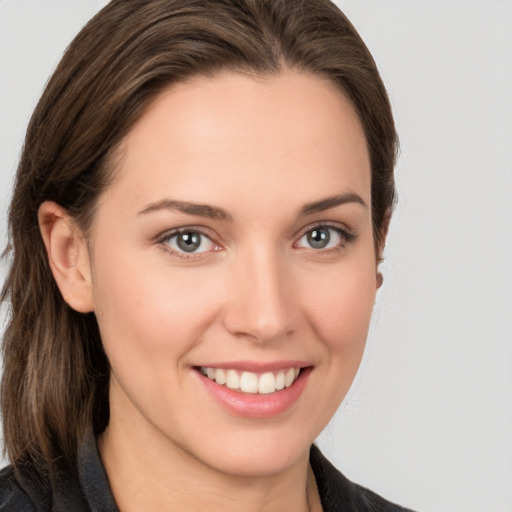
(234, 248)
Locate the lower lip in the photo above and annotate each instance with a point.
(252, 405)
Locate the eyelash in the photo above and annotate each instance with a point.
(345, 238)
(163, 241)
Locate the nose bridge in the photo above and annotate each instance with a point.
(260, 304)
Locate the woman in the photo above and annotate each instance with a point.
(199, 212)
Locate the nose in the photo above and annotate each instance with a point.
(261, 305)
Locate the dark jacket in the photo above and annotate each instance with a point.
(86, 489)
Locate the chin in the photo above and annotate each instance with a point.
(259, 453)
(259, 461)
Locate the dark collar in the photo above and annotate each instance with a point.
(337, 492)
(93, 478)
(85, 488)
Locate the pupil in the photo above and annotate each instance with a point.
(319, 238)
(189, 241)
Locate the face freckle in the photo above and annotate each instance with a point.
(236, 238)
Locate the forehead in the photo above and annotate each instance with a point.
(235, 131)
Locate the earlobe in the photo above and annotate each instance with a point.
(68, 256)
(380, 279)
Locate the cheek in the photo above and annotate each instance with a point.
(149, 310)
(340, 306)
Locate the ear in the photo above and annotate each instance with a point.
(68, 256)
(384, 234)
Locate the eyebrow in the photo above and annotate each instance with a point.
(214, 212)
(201, 210)
(331, 202)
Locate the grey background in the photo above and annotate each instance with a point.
(428, 422)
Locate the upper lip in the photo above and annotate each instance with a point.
(256, 366)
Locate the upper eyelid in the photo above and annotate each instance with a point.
(339, 226)
(182, 229)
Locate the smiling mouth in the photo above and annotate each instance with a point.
(251, 382)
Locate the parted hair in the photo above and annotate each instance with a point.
(56, 375)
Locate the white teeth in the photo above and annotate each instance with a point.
(232, 379)
(250, 382)
(280, 378)
(220, 376)
(289, 377)
(267, 383)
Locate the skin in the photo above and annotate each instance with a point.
(260, 149)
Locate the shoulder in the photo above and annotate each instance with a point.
(30, 488)
(12, 496)
(338, 493)
(69, 486)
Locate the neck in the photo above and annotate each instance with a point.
(147, 472)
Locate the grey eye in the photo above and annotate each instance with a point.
(321, 237)
(190, 242)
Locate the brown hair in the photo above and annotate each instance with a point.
(55, 380)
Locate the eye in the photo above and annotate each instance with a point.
(323, 237)
(189, 241)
